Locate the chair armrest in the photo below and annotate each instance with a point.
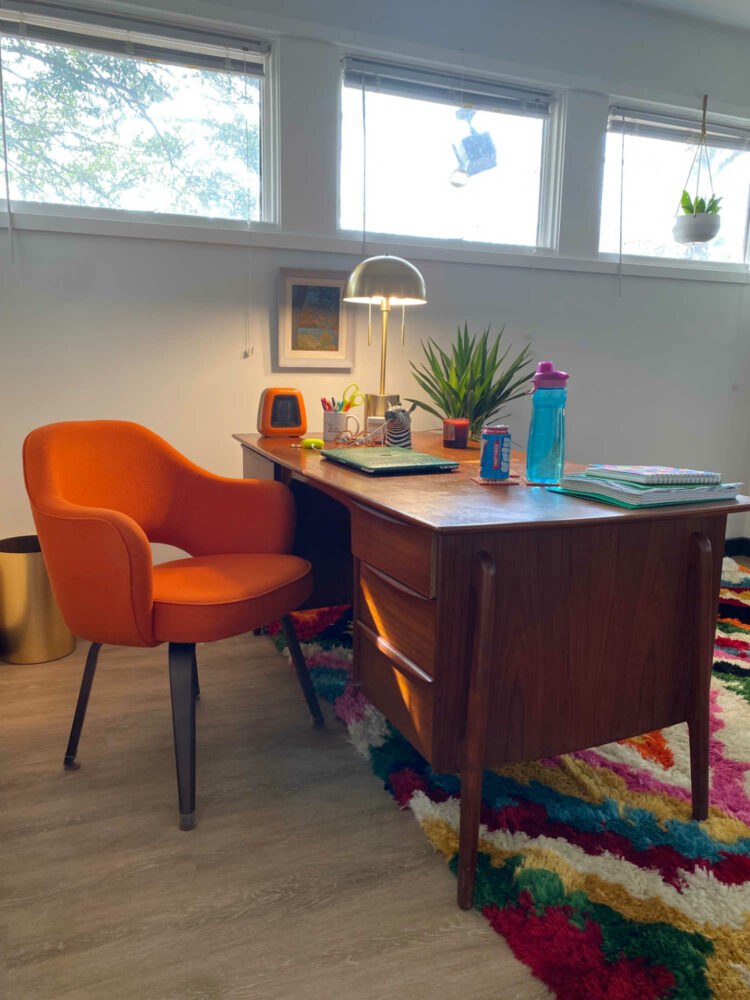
(99, 564)
(214, 515)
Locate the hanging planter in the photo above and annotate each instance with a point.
(701, 220)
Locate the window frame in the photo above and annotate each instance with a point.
(178, 36)
(680, 119)
(550, 167)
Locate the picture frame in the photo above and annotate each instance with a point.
(315, 329)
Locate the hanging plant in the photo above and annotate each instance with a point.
(701, 220)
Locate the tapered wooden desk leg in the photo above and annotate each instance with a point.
(476, 727)
(701, 563)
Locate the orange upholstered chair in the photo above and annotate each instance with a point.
(102, 490)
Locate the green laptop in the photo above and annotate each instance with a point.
(388, 461)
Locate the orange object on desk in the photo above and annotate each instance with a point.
(281, 413)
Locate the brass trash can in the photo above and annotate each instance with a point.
(32, 629)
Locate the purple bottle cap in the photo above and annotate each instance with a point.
(547, 376)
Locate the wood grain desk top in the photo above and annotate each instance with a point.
(451, 502)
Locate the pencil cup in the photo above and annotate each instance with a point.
(335, 422)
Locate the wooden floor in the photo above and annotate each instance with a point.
(302, 879)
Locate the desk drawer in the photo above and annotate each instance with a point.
(395, 686)
(404, 551)
(399, 614)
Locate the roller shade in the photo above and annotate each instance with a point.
(140, 38)
(446, 88)
(676, 128)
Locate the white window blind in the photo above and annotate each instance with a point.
(677, 128)
(140, 38)
(446, 88)
(141, 114)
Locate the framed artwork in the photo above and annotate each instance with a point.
(313, 320)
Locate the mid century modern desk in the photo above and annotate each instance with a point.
(496, 624)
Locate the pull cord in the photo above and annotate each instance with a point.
(11, 246)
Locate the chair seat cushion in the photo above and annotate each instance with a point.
(213, 597)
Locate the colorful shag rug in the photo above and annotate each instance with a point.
(590, 865)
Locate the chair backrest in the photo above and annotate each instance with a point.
(105, 463)
(99, 491)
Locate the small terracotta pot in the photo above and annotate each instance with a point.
(455, 432)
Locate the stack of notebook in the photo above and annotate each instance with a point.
(646, 485)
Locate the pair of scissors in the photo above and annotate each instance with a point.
(351, 397)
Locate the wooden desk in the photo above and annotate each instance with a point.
(496, 624)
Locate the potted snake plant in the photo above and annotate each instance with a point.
(469, 384)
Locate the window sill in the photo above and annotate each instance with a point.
(105, 222)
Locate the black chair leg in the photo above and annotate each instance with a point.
(301, 667)
(181, 681)
(196, 685)
(89, 670)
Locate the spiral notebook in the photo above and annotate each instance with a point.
(654, 475)
(642, 494)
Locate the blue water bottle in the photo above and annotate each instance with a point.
(546, 451)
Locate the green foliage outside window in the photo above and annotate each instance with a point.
(87, 128)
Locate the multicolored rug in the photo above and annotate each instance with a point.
(590, 865)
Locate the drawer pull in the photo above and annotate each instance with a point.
(401, 662)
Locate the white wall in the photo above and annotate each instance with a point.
(153, 330)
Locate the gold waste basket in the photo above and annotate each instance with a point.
(32, 629)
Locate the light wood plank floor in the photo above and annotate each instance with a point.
(301, 880)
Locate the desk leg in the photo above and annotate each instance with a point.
(704, 623)
(476, 726)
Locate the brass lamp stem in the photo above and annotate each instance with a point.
(384, 306)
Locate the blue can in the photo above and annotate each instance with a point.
(495, 456)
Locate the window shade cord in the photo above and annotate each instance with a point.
(622, 200)
(364, 200)
(249, 347)
(364, 169)
(11, 247)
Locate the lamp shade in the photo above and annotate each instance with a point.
(392, 279)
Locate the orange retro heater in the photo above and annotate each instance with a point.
(281, 413)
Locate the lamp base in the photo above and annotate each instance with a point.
(376, 405)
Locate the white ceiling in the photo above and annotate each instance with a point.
(735, 12)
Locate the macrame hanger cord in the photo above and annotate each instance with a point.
(11, 246)
(705, 143)
(701, 140)
(701, 147)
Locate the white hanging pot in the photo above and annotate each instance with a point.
(698, 228)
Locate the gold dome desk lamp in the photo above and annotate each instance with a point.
(385, 281)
